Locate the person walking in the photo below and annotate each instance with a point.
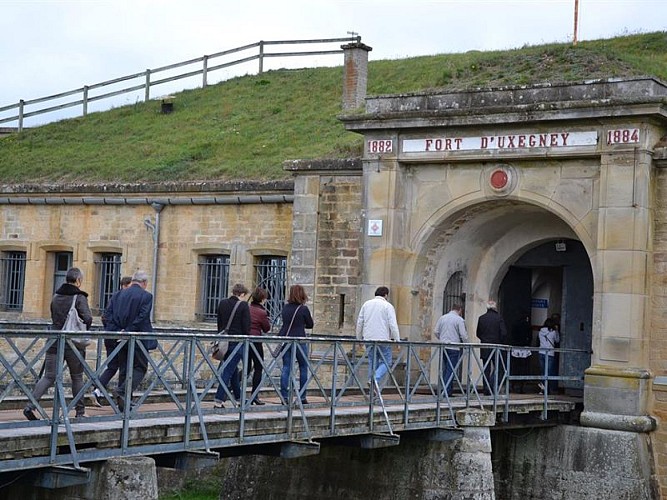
(451, 329)
(491, 329)
(259, 325)
(377, 322)
(296, 318)
(109, 345)
(68, 293)
(236, 308)
(549, 337)
(132, 313)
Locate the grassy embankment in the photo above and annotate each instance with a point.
(246, 127)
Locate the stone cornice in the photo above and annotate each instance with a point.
(175, 188)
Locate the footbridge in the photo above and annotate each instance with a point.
(173, 413)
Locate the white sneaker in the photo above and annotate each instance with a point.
(541, 386)
(97, 397)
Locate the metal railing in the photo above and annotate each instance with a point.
(151, 78)
(173, 409)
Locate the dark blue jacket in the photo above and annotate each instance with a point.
(131, 311)
(302, 320)
(240, 324)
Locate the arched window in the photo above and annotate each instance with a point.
(454, 293)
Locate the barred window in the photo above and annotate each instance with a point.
(214, 282)
(454, 293)
(13, 280)
(63, 261)
(107, 267)
(272, 276)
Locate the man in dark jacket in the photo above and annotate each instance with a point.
(491, 330)
(60, 306)
(109, 345)
(131, 312)
(239, 325)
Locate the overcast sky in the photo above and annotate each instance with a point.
(53, 46)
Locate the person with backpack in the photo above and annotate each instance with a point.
(549, 337)
(68, 295)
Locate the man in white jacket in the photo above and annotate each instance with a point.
(377, 321)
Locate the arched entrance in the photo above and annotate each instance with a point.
(525, 257)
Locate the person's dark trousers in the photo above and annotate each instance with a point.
(450, 358)
(551, 371)
(139, 368)
(255, 364)
(519, 367)
(302, 361)
(489, 372)
(230, 374)
(112, 366)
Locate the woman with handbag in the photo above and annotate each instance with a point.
(296, 318)
(68, 296)
(233, 319)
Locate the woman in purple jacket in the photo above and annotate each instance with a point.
(259, 325)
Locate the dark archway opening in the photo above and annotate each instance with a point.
(554, 280)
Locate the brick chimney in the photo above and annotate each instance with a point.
(355, 74)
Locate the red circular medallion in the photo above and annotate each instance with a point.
(499, 179)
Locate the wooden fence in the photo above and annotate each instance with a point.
(150, 78)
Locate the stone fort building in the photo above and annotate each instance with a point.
(549, 198)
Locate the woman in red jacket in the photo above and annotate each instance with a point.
(259, 325)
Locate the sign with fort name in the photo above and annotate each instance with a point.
(552, 140)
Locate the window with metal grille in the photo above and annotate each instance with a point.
(271, 272)
(454, 294)
(63, 261)
(107, 267)
(13, 280)
(214, 283)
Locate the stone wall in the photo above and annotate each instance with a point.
(245, 228)
(572, 462)
(658, 339)
(326, 253)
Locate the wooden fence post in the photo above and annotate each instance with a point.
(261, 57)
(205, 72)
(85, 100)
(148, 85)
(21, 104)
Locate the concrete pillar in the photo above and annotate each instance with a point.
(471, 463)
(617, 386)
(118, 478)
(355, 74)
(127, 477)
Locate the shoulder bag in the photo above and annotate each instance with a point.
(279, 347)
(218, 349)
(73, 323)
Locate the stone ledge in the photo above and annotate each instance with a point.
(628, 423)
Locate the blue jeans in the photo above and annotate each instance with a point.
(449, 367)
(551, 370)
(379, 360)
(302, 360)
(230, 375)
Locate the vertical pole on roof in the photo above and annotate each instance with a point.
(576, 21)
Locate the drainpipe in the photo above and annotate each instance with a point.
(156, 245)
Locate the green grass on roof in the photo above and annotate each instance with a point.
(246, 127)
